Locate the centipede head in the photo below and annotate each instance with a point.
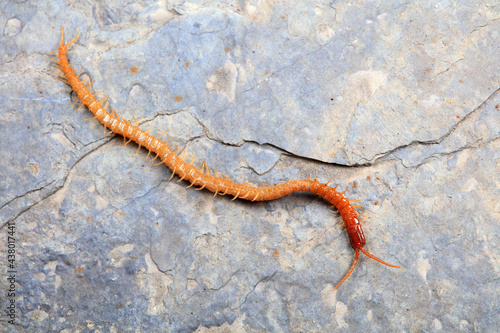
(64, 47)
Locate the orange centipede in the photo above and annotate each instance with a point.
(198, 177)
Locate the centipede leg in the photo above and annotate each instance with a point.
(350, 270)
(371, 256)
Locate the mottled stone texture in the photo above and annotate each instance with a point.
(397, 100)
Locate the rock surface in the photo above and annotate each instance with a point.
(397, 100)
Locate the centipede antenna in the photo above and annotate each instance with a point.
(62, 36)
(69, 43)
(350, 270)
(369, 255)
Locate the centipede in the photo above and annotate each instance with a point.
(201, 178)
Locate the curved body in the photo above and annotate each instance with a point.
(197, 177)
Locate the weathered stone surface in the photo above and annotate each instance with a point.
(398, 101)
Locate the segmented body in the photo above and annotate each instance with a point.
(214, 183)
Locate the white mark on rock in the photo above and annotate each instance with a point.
(340, 312)
(364, 84)
(423, 267)
(437, 324)
(117, 255)
(328, 295)
(156, 284)
(38, 315)
(13, 27)
(224, 81)
(470, 185)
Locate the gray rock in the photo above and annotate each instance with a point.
(397, 101)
